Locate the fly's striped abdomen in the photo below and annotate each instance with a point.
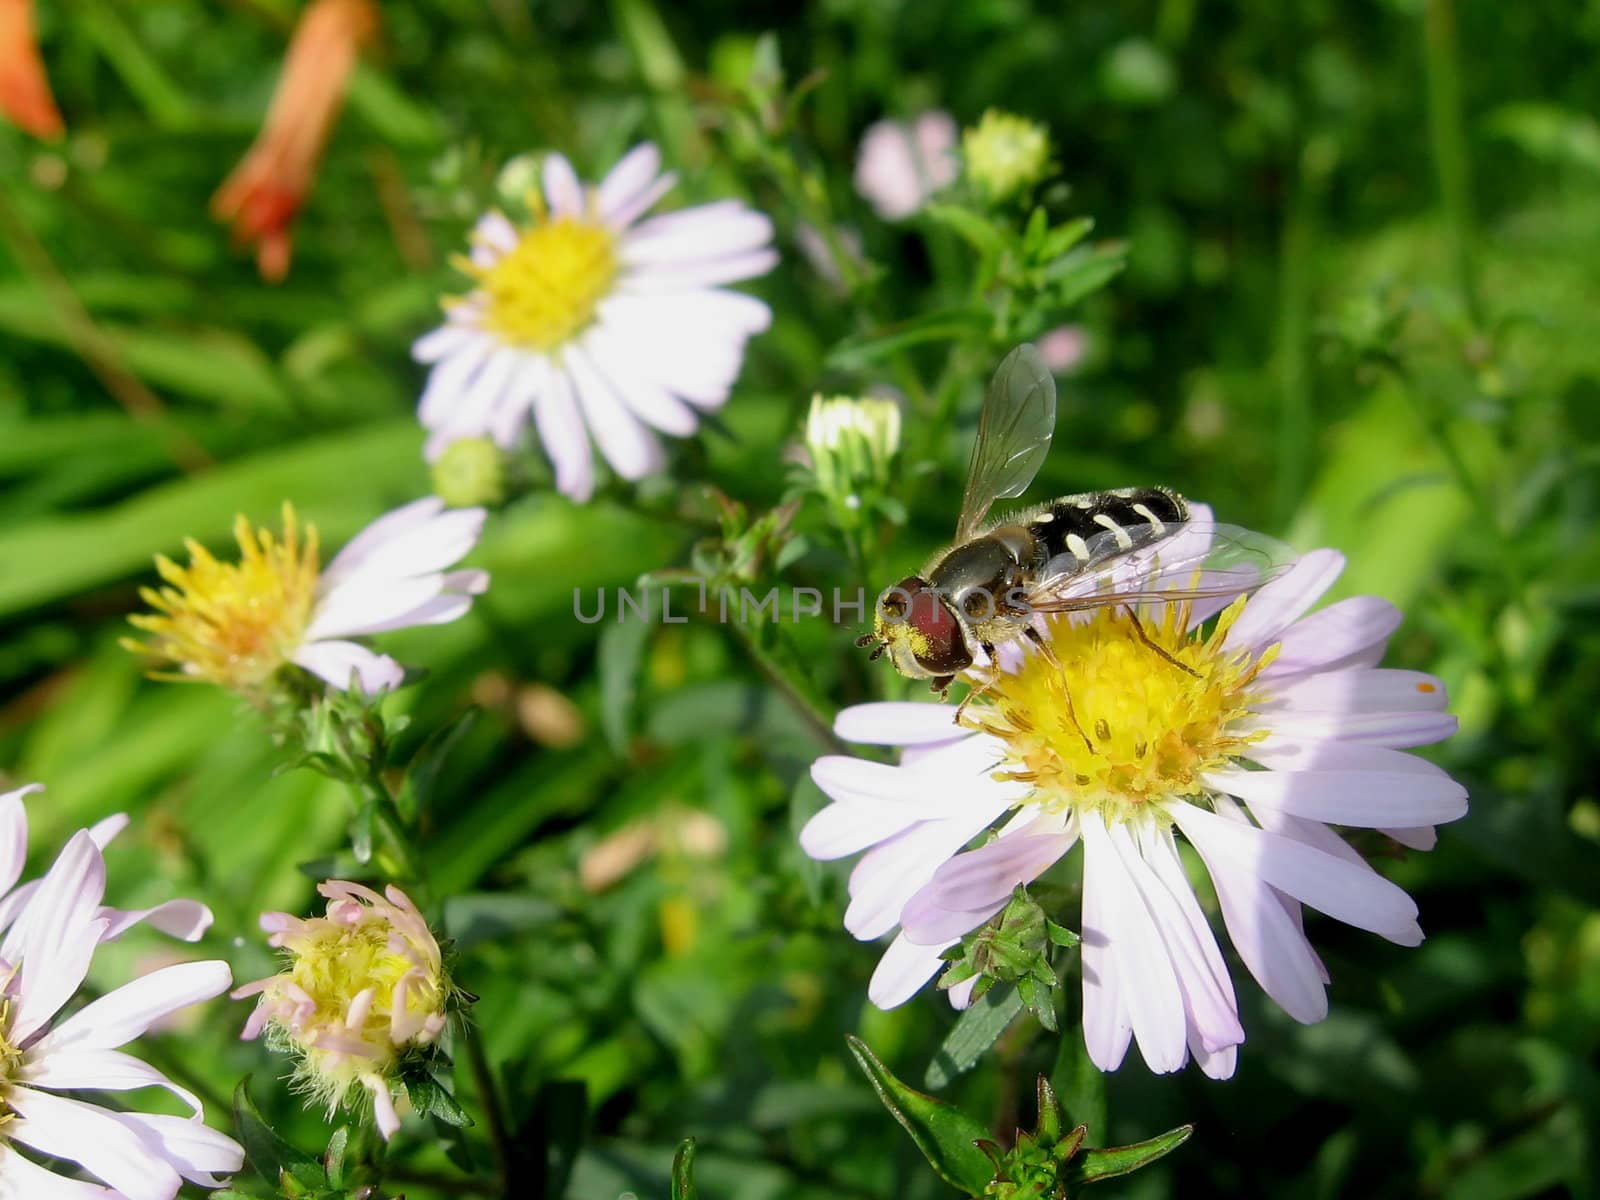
(1096, 526)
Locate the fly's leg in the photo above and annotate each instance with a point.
(1043, 647)
(1144, 637)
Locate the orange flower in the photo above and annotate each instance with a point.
(24, 87)
(266, 189)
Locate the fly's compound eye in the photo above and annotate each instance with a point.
(978, 605)
(893, 605)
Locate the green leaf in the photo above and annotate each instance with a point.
(333, 1157)
(271, 1156)
(422, 773)
(977, 1029)
(430, 1099)
(943, 325)
(947, 1137)
(683, 1172)
(1095, 1165)
(974, 228)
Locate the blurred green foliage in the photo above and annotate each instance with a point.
(1358, 310)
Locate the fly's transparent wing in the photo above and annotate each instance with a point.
(1197, 561)
(1014, 432)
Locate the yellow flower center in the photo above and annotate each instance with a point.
(233, 624)
(10, 1059)
(545, 291)
(1122, 711)
(337, 963)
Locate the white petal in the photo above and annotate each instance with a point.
(476, 408)
(972, 887)
(106, 829)
(629, 211)
(450, 377)
(99, 1070)
(14, 901)
(843, 829)
(127, 1012)
(1107, 1027)
(632, 175)
(902, 971)
(1283, 601)
(441, 342)
(1363, 690)
(898, 723)
(410, 549)
(1208, 998)
(1422, 838)
(1328, 640)
(199, 1153)
(335, 661)
(393, 526)
(628, 446)
(368, 604)
(705, 232)
(1152, 995)
(1398, 730)
(1283, 755)
(23, 1179)
(643, 395)
(1369, 799)
(562, 191)
(942, 784)
(495, 230)
(13, 835)
(565, 436)
(700, 273)
(88, 1135)
(1326, 882)
(55, 937)
(1266, 937)
(184, 919)
(890, 874)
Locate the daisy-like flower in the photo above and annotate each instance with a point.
(44, 958)
(364, 985)
(239, 624)
(265, 192)
(186, 919)
(599, 324)
(1276, 728)
(903, 163)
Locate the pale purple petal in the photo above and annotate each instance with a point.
(565, 437)
(1344, 634)
(196, 1151)
(647, 399)
(127, 1012)
(1328, 883)
(972, 887)
(14, 835)
(631, 177)
(184, 919)
(1152, 995)
(55, 937)
(99, 1070)
(86, 1134)
(1107, 1027)
(1422, 838)
(441, 342)
(27, 1180)
(335, 662)
(1369, 799)
(898, 723)
(1284, 600)
(1395, 730)
(630, 448)
(419, 539)
(902, 971)
(562, 191)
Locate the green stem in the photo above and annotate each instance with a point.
(816, 720)
(488, 1099)
(1441, 54)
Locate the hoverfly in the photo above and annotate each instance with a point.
(1082, 552)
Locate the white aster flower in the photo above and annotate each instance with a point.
(601, 325)
(902, 163)
(239, 624)
(1286, 729)
(44, 957)
(186, 919)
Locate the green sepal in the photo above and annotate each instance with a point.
(1095, 1165)
(683, 1172)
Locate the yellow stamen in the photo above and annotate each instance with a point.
(233, 624)
(1111, 724)
(545, 291)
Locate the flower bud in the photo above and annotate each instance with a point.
(362, 987)
(470, 472)
(1005, 154)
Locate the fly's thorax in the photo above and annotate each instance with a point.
(980, 577)
(925, 639)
